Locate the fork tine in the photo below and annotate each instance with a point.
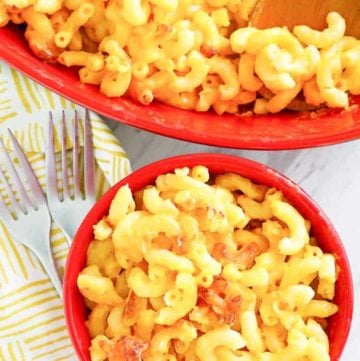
(51, 180)
(76, 172)
(29, 173)
(65, 178)
(16, 182)
(89, 158)
(14, 202)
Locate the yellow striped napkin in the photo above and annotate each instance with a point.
(32, 325)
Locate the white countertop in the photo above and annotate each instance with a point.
(331, 175)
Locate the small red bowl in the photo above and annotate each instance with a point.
(270, 132)
(322, 229)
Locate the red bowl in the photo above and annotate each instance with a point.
(322, 229)
(272, 132)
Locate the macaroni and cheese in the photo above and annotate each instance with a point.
(206, 268)
(193, 54)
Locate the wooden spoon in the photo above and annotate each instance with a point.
(270, 13)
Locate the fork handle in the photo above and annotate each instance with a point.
(46, 258)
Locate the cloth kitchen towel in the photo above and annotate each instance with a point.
(32, 325)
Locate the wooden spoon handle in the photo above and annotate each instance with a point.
(270, 13)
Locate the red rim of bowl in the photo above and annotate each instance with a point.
(329, 240)
(270, 132)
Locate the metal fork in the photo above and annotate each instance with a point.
(68, 210)
(29, 220)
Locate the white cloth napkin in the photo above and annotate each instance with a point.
(32, 325)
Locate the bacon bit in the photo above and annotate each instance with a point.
(214, 295)
(232, 308)
(212, 299)
(201, 302)
(245, 257)
(247, 254)
(219, 285)
(133, 306)
(220, 252)
(234, 303)
(226, 310)
(208, 50)
(129, 348)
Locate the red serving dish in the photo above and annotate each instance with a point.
(271, 132)
(322, 229)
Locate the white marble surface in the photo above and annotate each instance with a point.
(331, 175)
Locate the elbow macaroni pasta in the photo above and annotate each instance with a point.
(193, 54)
(164, 283)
